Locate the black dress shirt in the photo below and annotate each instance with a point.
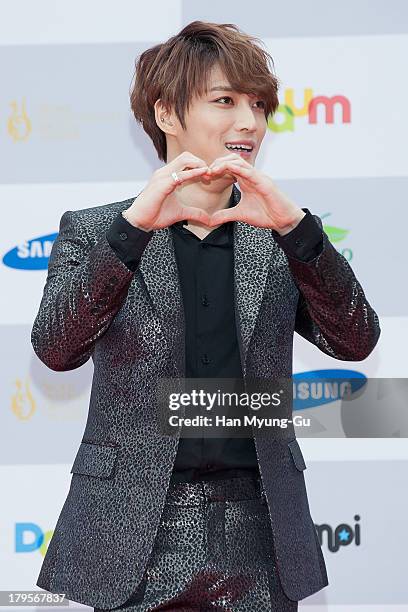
(210, 328)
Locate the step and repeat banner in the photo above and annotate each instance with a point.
(336, 145)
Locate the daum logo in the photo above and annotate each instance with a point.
(288, 111)
(30, 537)
(342, 535)
(319, 387)
(31, 254)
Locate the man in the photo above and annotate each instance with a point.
(192, 278)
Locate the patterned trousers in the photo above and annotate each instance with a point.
(213, 551)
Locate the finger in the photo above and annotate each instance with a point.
(184, 175)
(192, 213)
(187, 157)
(234, 167)
(223, 216)
(218, 160)
(170, 185)
(185, 161)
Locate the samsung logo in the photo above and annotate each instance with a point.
(318, 387)
(31, 254)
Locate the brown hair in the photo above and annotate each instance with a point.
(178, 69)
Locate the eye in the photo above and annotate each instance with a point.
(229, 98)
(224, 98)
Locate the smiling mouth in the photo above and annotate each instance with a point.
(240, 151)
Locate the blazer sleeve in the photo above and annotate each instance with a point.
(85, 287)
(333, 312)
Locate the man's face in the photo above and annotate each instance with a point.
(220, 117)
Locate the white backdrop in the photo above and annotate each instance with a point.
(337, 146)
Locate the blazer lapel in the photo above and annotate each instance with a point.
(253, 250)
(159, 270)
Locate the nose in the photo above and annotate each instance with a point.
(245, 117)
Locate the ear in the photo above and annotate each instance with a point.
(163, 117)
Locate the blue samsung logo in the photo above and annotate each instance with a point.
(32, 254)
(318, 387)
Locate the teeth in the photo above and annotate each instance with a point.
(239, 147)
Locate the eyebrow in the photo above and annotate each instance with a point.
(222, 88)
(226, 88)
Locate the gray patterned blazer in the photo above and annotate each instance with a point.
(132, 325)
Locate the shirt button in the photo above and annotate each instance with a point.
(299, 242)
(205, 359)
(123, 236)
(209, 466)
(204, 300)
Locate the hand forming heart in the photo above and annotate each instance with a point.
(261, 203)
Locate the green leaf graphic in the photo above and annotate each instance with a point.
(335, 234)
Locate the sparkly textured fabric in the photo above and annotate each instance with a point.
(213, 551)
(132, 325)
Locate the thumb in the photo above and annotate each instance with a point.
(192, 213)
(222, 216)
